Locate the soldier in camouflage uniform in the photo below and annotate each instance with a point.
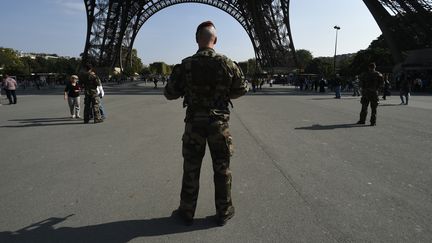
(90, 81)
(207, 81)
(370, 83)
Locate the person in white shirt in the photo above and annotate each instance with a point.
(101, 94)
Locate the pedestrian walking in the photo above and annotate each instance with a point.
(10, 85)
(207, 81)
(338, 86)
(405, 89)
(356, 86)
(101, 94)
(155, 81)
(72, 95)
(1, 86)
(386, 87)
(90, 82)
(370, 83)
(322, 84)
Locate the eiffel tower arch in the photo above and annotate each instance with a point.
(405, 24)
(113, 26)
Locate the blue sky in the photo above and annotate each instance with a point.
(59, 26)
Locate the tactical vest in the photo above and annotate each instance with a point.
(372, 81)
(90, 82)
(207, 82)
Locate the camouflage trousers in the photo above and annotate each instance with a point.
(91, 104)
(365, 100)
(219, 140)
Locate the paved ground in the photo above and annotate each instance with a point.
(303, 172)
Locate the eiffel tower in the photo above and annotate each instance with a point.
(113, 26)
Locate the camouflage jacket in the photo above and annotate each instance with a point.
(207, 81)
(371, 82)
(90, 81)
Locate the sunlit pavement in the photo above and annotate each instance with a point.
(302, 170)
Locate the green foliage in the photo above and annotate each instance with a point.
(303, 57)
(350, 65)
(244, 67)
(128, 71)
(322, 66)
(137, 64)
(344, 66)
(378, 43)
(249, 67)
(382, 58)
(160, 68)
(11, 63)
(252, 67)
(145, 71)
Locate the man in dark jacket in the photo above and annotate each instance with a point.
(370, 83)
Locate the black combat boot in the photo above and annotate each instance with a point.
(221, 220)
(183, 216)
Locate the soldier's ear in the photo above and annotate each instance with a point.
(215, 41)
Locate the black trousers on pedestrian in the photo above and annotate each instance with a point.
(11, 95)
(371, 99)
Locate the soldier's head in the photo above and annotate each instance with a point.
(206, 35)
(372, 66)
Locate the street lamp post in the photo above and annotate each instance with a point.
(337, 28)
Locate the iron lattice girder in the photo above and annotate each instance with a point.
(114, 24)
(406, 24)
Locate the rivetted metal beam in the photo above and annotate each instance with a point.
(113, 26)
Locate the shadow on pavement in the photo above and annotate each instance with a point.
(329, 127)
(284, 92)
(333, 98)
(43, 122)
(114, 232)
(389, 105)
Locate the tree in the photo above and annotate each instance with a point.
(137, 64)
(249, 67)
(11, 63)
(382, 58)
(145, 71)
(303, 57)
(322, 66)
(244, 67)
(160, 68)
